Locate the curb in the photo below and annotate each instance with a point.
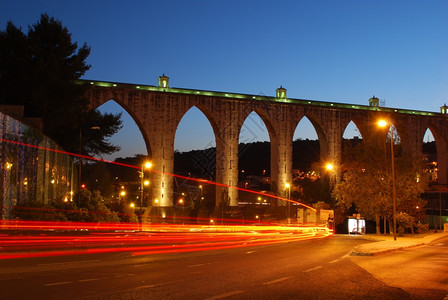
(379, 252)
(392, 249)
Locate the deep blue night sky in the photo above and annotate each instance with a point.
(340, 51)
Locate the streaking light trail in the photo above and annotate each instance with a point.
(158, 239)
(155, 171)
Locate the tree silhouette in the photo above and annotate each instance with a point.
(38, 70)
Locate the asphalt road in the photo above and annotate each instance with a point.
(422, 271)
(310, 269)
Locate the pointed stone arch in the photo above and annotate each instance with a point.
(349, 142)
(441, 148)
(136, 120)
(264, 119)
(354, 122)
(272, 135)
(321, 135)
(201, 164)
(209, 116)
(263, 116)
(297, 132)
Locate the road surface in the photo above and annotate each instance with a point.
(308, 269)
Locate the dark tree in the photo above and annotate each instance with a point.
(38, 70)
(367, 184)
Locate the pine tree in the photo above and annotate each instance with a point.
(38, 70)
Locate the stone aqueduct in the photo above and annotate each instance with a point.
(157, 110)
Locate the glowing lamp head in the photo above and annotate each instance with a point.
(287, 185)
(382, 123)
(148, 165)
(329, 167)
(146, 182)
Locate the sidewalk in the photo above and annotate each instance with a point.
(386, 243)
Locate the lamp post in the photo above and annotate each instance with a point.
(288, 186)
(383, 123)
(146, 165)
(330, 168)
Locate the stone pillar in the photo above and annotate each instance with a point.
(333, 152)
(161, 189)
(281, 153)
(442, 159)
(227, 159)
(411, 133)
(442, 151)
(442, 156)
(160, 123)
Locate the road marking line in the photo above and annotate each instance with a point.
(90, 279)
(313, 269)
(194, 266)
(149, 286)
(68, 262)
(334, 261)
(278, 280)
(229, 294)
(57, 283)
(154, 285)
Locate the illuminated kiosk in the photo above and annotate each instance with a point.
(356, 224)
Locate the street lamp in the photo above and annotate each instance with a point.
(289, 202)
(330, 169)
(143, 182)
(383, 123)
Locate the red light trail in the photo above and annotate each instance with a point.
(157, 238)
(155, 171)
(79, 238)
